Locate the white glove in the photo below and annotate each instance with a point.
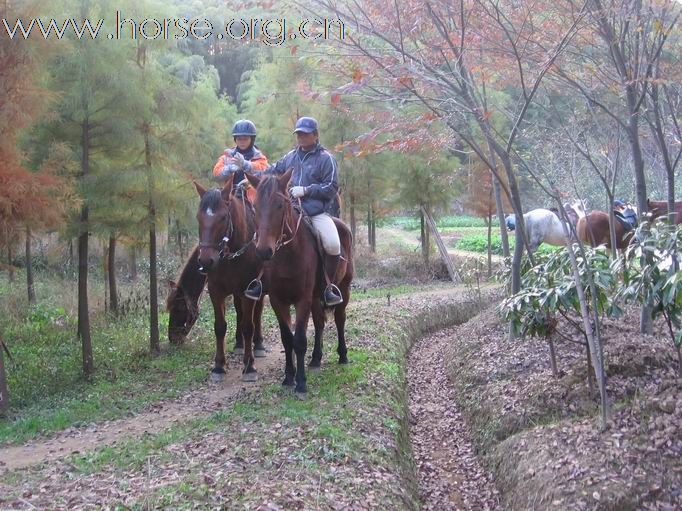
(239, 160)
(297, 192)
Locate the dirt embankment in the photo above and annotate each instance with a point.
(539, 435)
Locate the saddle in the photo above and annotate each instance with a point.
(627, 219)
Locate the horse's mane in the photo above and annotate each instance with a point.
(268, 185)
(211, 199)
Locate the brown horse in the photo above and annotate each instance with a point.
(228, 255)
(182, 305)
(659, 209)
(294, 275)
(593, 228)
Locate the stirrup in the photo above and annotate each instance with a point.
(329, 299)
(254, 291)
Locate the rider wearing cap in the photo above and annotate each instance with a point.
(244, 157)
(315, 182)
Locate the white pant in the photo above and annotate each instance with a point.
(329, 235)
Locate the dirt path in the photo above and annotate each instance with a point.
(450, 475)
(158, 416)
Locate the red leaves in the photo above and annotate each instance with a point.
(336, 98)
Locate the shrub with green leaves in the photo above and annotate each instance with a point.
(479, 243)
(658, 282)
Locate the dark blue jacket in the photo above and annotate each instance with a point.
(317, 171)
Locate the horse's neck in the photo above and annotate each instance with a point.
(241, 232)
(191, 281)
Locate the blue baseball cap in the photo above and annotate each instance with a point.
(618, 203)
(306, 125)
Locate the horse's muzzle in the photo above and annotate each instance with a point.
(264, 254)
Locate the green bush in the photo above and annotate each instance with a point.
(479, 243)
(411, 223)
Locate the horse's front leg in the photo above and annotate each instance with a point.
(301, 344)
(247, 307)
(220, 329)
(258, 346)
(284, 320)
(238, 334)
(318, 322)
(340, 320)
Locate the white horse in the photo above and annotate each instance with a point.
(544, 226)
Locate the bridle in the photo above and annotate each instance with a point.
(222, 246)
(286, 235)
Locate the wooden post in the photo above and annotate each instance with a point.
(454, 276)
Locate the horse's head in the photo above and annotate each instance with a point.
(510, 222)
(577, 207)
(215, 224)
(656, 209)
(273, 211)
(181, 314)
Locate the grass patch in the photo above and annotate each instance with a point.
(479, 243)
(412, 223)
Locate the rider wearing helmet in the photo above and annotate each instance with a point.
(244, 157)
(315, 182)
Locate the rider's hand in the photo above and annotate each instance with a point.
(239, 160)
(297, 192)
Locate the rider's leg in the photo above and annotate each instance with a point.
(324, 225)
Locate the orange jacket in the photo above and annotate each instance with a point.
(259, 163)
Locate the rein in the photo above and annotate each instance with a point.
(281, 242)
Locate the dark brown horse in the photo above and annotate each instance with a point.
(228, 255)
(182, 305)
(593, 228)
(294, 275)
(659, 209)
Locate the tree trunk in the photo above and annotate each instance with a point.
(552, 357)
(153, 290)
(154, 343)
(4, 396)
(132, 262)
(29, 269)
(422, 236)
(71, 258)
(83, 310)
(500, 213)
(490, 240)
(178, 237)
(10, 262)
(113, 290)
(353, 219)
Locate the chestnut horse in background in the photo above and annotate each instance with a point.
(228, 255)
(659, 209)
(593, 228)
(294, 274)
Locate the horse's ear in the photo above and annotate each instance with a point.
(253, 179)
(227, 189)
(648, 200)
(284, 180)
(200, 189)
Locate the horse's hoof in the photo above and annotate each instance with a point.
(238, 351)
(217, 377)
(250, 377)
(343, 360)
(259, 353)
(301, 395)
(301, 391)
(314, 365)
(288, 383)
